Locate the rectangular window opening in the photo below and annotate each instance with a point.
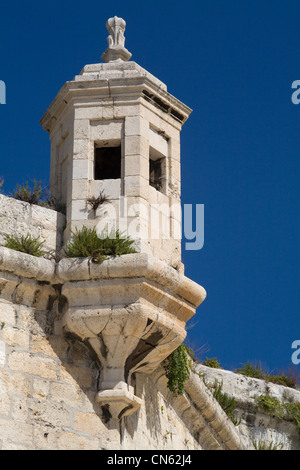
(157, 170)
(107, 163)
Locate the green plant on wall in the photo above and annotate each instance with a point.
(256, 371)
(263, 445)
(212, 362)
(29, 194)
(25, 244)
(227, 403)
(273, 406)
(178, 366)
(87, 243)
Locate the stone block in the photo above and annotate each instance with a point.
(175, 170)
(4, 404)
(89, 112)
(81, 149)
(41, 388)
(16, 337)
(136, 165)
(47, 413)
(7, 311)
(108, 110)
(25, 362)
(136, 186)
(122, 110)
(67, 394)
(136, 145)
(80, 169)
(72, 441)
(45, 437)
(89, 423)
(107, 130)
(80, 189)
(17, 433)
(79, 210)
(110, 187)
(175, 149)
(136, 125)
(81, 128)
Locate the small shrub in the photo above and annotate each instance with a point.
(281, 379)
(289, 410)
(86, 243)
(271, 405)
(250, 370)
(255, 371)
(263, 445)
(213, 362)
(227, 403)
(27, 194)
(293, 412)
(25, 244)
(177, 367)
(95, 202)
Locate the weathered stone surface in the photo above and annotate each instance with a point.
(20, 218)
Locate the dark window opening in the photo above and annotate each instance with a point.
(107, 163)
(156, 174)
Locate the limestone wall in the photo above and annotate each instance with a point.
(48, 383)
(47, 388)
(255, 425)
(20, 218)
(48, 379)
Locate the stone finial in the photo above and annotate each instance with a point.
(116, 51)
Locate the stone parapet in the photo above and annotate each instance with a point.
(19, 218)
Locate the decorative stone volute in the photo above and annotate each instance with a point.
(116, 51)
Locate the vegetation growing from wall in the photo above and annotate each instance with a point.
(273, 406)
(263, 445)
(86, 243)
(212, 362)
(227, 403)
(37, 194)
(25, 193)
(256, 371)
(178, 367)
(25, 244)
(98, 201)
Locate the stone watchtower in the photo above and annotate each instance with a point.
(115, 130)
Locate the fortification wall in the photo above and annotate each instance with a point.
(257, 426)
(48, 380)
(48, 384)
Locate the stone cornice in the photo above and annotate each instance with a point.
(78, 269)
(27, 266)
(132, 265)
(101, 81)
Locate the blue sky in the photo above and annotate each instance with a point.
(233, 63)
